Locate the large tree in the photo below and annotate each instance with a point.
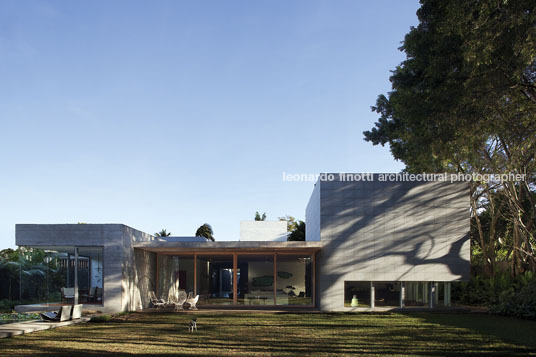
(298, 233)
(291, 222)
(464, 100)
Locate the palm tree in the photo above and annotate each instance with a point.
(205, 231)
(163, 233)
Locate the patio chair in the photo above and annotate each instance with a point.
(158, 303)
(178, 301)
(192, 301)
(63, 314)
(67, 295)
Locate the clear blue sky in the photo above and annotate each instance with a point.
(169, 114)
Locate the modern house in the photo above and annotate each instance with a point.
(369, 243)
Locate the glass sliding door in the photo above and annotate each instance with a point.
(215, 279)
(255, 279)
(294, 280)
(175, 272)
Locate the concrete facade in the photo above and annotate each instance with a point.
(388, 232)
(359, 231)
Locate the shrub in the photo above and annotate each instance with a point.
(521, 303)
(482, 291)
(101, 318)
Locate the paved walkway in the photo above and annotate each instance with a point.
(19, 328)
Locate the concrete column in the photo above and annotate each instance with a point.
(431, 286)
(436, 293)
(372, 295)
(75, 275)
(402, 293)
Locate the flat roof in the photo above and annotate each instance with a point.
(228, 246)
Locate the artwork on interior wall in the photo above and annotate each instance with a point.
(283, 274)
(262, 281)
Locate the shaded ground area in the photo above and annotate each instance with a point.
(280, 334)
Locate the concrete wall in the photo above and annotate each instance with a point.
(263, 231)
(312, 216)
(139, 271)
(390, 231)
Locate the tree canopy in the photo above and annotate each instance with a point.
(298, 233)
(464, 100)
(205, 231)
(258, 216)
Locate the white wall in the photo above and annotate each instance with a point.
(273, 231)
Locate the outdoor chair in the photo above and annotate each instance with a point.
(63, 314)
(158, 303)
(192, 301)
(178, 301)
(67, 295)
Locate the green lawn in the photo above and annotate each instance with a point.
(229, 333)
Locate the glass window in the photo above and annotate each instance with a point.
(357, 292)
(386, 293)
(255, 279)
(48, 276)
(294, 280)
(90, 275)
(215, 279)
(416, 293)
(175, 272)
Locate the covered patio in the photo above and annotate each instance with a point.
(237, 274)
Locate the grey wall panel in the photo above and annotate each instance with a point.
(391, 231)
(139, 271)
(312, 216)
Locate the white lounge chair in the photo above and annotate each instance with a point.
(192, 301)
(178, 301)
(158, 303)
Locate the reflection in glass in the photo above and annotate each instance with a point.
(294, 280)
(255, 279)
(215, 279)
(48, 276)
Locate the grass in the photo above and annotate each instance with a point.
(281, 334)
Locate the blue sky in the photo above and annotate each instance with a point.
(170, 114)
